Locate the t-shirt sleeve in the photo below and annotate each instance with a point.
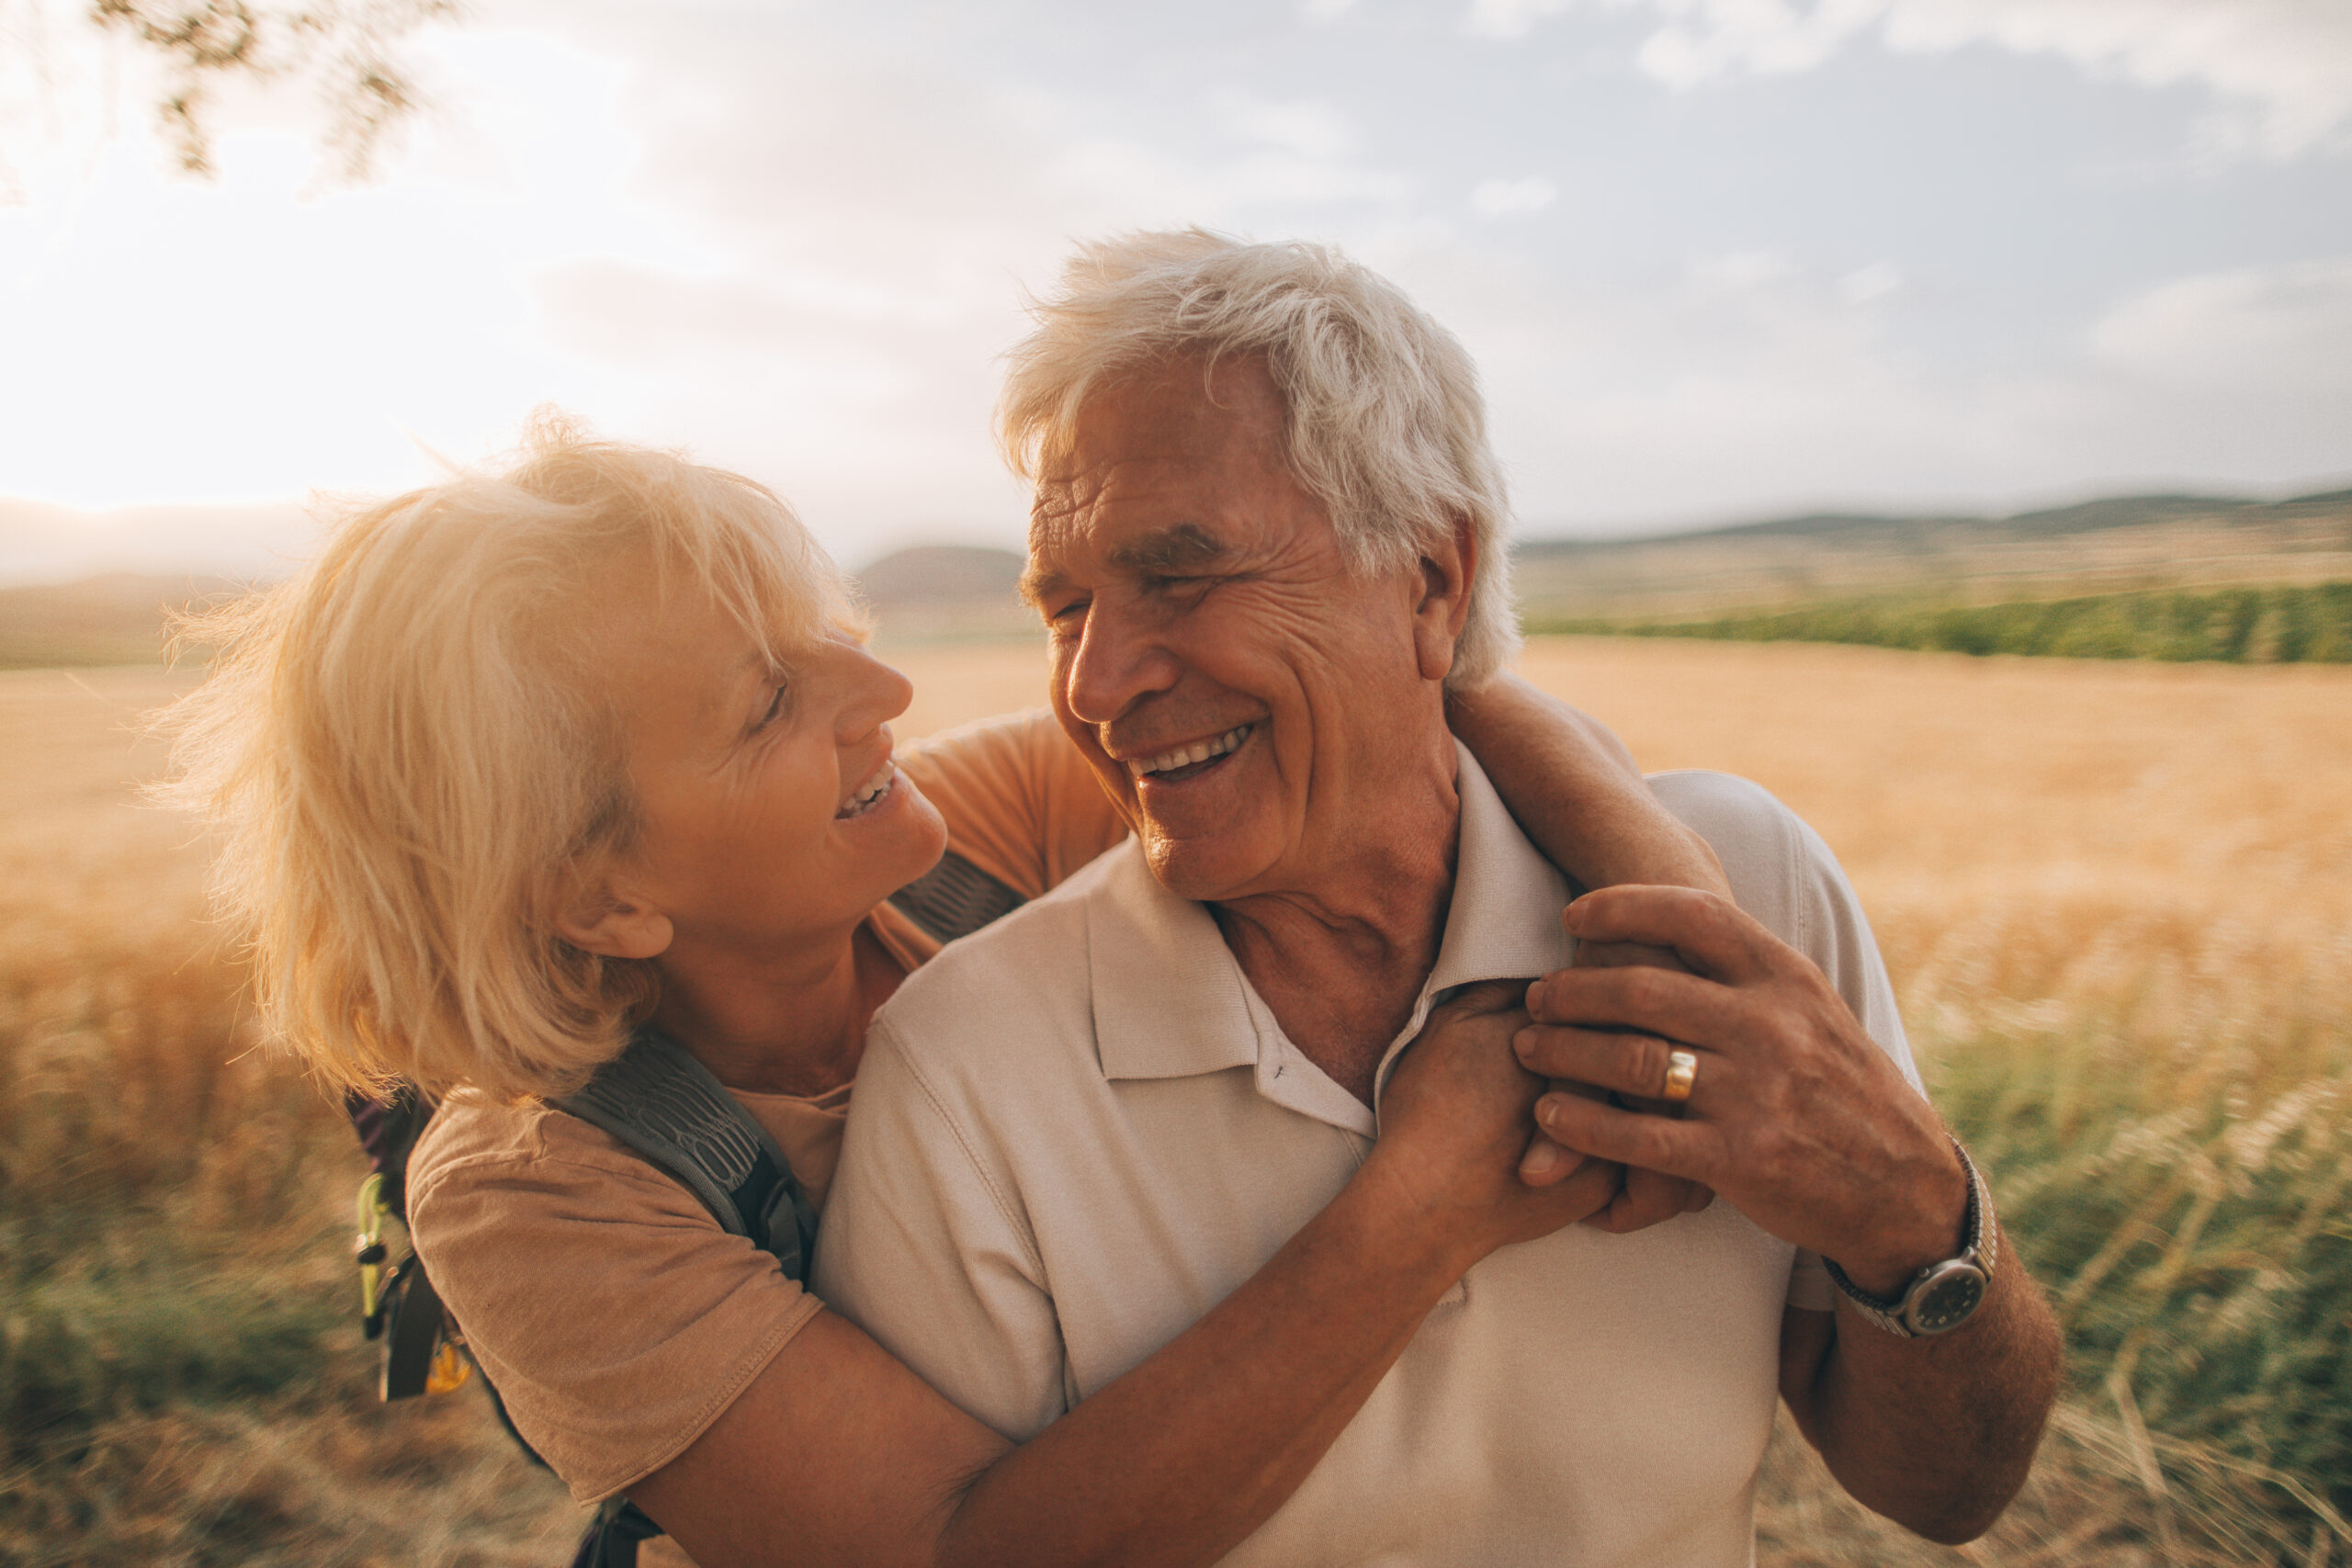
(614, 1318)
(1785, 874)
(924, 1249)
(1019, 801)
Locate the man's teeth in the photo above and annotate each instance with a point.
(870, 791)
(1185, 756)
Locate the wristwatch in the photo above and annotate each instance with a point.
(1942, 1296)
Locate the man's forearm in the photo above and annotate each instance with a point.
(1936, 1433)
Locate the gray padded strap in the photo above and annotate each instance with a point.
(954, 898)
(659, 1100)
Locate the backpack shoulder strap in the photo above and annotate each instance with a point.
(655, 1097)
(954, 898)
(388, 1125)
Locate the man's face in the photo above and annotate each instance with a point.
(1251, 702)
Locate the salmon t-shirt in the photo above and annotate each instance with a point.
(612, 1314)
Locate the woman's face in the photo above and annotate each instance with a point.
(772, 812)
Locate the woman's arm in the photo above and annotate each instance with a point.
(837, 1453)
(1574, 790)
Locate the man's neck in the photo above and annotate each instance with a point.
(1342, 963)
(790, 1027)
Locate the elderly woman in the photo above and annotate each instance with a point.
(529, 763)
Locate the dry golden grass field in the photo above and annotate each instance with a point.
(2117, 900)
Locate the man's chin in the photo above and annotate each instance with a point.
(1207, 871)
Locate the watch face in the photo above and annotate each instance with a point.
(1945, 1301)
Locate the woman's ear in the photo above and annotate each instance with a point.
(1445, 570)
(613, 923)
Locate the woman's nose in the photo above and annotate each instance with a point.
(876, 693)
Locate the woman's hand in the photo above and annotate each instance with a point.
(1454, 1119)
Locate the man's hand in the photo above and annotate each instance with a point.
(1646, 1197)
(1454, 1120)
(1796, 1115)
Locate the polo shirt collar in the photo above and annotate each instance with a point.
(1169, 997)
(1504, 922)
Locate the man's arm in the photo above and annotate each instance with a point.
(1936, 1433)
(1800, 1118)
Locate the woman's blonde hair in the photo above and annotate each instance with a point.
(1386, 424)
(416, 769)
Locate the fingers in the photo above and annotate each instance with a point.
(1617, 955)
(1630, 1064)
(1595, 1187)
(1648, 1198)
(1546, 1163)
(1688, 1149)
(1681, 1007)
(1712, 935)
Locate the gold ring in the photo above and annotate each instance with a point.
(1681, 1073)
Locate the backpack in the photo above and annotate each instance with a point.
(667, 1108)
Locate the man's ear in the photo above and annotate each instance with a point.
(1447, 567)
(613, 922)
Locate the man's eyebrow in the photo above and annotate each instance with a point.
(1035, 584)
(1184, 546)
(1187, 546)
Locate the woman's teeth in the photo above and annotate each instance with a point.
(1185, 756)
(869, 791)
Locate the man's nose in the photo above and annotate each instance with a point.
(1119, 660)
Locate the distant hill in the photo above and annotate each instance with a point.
(113, 619)
(942, 573)
(935, 591)
(2112, 544)
(41, 542)
(2081, 517)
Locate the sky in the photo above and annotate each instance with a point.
(1717, 259)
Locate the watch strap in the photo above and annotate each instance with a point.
(1980, 1249)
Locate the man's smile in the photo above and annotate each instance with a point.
(1189, 761)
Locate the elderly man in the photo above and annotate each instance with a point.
(1268, 535)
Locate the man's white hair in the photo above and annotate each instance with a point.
(1385, 423)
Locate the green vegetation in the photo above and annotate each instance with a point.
(2237, 626)
(182, 1378)
(2186, 1209)
(168, 1257)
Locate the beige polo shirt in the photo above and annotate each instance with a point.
(1079, 1130)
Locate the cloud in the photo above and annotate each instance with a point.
(1752, 385)
(1499, 199)
(1305, 129)
(1869, 285)
(1510, 18)
(2281, 70)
